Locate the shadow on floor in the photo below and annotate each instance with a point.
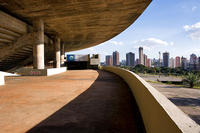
(172, 86)
(182, 101)
(107, 106)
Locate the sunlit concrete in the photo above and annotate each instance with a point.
(75, 101)
(38, 46)
(2, 81)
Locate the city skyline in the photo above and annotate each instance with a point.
(164, 26)
(192, 63)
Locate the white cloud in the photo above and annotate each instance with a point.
(196, 51)
(152, 42)
(171, 43)
(147, 48)
(116, 43)
(193, 30)
(194, 8)
(92, 50)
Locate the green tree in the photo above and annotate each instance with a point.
(191, 79)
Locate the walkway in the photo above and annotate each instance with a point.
(85, 101)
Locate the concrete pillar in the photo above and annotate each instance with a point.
(2, 81)
(62, 54)
(57, 52)
(38, 46)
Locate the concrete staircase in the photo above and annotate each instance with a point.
(16, 43)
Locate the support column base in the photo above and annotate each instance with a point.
(41, 72)
(2, 81)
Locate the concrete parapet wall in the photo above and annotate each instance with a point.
(158, 113)
(40, 72)
(2, 81)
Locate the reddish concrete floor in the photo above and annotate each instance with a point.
(85, 101)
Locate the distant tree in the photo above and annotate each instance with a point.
(191, 79)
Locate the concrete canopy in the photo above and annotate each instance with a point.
(79, 23)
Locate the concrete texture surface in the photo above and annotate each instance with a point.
(158, 113)
(75, 101)
(2, 81)
(79, 24)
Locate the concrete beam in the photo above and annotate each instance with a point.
(8, 32)
(38, 46)
(8, 37)
(12, 24)
(5, 41)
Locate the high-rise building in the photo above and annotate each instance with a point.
(148, 62)
(155, 63)
(183, 62)
(145, 60)
(193, 62)
(198, 66)
(116, 58)
(141, 56)
(109, 61)
(137, 62)
(177, 61)
(166, 59)
(171, 63)
(130, 59)
(159, 60)
(123, 63)
(193, 59)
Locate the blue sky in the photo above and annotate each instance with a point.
(166, 25)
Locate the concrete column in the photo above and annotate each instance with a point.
(62, 54)
(57, 52)
(38, 46)
(2, 81)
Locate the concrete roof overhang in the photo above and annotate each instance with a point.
(79, 23)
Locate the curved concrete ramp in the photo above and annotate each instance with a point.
(85, 101)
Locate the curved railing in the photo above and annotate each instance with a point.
(158, 113)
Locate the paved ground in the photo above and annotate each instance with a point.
(75, 101)
(149, 77)
(187, 99)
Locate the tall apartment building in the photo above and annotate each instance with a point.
(109, 61)
(166, 59)
(141, 56)
(145, 59)
(184, 62)
(193, 62)
(171, 63)
(130, 59)
(177, 61)
(148, 62)
(137, 61)
(198, 66)
(116, 58)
